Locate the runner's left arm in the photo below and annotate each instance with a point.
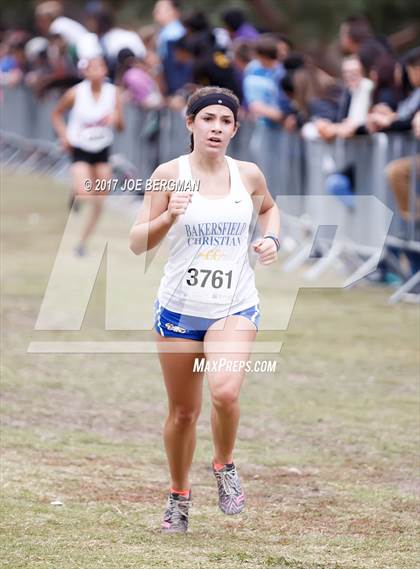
(268, 216)
(265, 206)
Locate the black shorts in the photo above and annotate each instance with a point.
(79, 155)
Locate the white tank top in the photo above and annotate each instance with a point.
(86, 129)
(208, 272)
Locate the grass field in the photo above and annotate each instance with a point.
(327, 446)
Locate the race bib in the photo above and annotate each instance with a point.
(95, 138)
(213, 282)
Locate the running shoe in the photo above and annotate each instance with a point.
(175, 519)
(231, 495)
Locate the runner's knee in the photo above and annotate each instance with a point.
(224, 396)
(183, 416)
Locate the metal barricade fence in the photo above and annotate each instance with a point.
(296, 170)
(362, 226)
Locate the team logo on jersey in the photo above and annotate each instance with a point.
(224, 233)
(211, 255)
(174, 328)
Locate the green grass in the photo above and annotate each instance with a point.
(327, 446)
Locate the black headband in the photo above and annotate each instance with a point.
(214, 99)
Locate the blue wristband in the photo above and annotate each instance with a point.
(274, 238)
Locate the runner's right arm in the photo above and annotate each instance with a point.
(65, 103)
(159, 211)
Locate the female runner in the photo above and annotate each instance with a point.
(207, 297)
(95, 110)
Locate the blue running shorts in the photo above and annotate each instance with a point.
(174, 325)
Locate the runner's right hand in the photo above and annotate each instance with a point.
(178, 203)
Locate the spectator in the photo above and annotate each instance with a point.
(151, 61)
(383, 117)
(354, 32)
(262, 83)
(400, 172)
(36, 51)
(210, 66)
(401, 79)
(13, 62)
(50, 65)
(167, 16)
(315, 95)
(148, 34)
(75, 38)
(100, 20)
(284, 46)
(386, 90)
(293, 61)
(50, 20)
(356, 37)
(400, 176)
(176, 73)
(238, 26)
(197, 22)
(266, 102)
(353, 109)
(354, 104)
(242, 54)
(140, 86)
(375, 54)
(360, 95)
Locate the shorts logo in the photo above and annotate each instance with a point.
(174, 328)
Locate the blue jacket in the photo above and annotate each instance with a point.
(263, 85)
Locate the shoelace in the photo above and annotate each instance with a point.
(229, 480)
(178, 509)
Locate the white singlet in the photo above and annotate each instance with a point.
(208, 272)
(86, 128)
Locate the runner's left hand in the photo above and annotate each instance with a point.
(266, 250)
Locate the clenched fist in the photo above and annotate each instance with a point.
(266, 250)
(178, 203)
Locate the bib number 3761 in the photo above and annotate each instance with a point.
(205, 278)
